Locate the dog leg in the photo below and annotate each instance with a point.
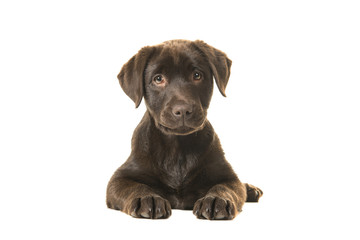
(136, 199)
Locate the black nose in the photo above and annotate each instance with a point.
(182, 110)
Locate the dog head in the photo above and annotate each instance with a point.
(176, 80)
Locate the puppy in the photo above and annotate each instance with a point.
(176, 160)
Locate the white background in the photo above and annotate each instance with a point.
(290, 123)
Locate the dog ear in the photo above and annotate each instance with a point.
(131, 76)
(219, 63)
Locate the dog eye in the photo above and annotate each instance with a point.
(158, 79)
(197, 76)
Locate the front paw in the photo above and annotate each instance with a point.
(214, 208)
(153, 207)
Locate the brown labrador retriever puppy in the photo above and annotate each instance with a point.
(176, 159)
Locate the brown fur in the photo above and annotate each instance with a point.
(176, 159)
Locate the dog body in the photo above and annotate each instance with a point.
(176, 159)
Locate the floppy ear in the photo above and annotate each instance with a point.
(131, 76)
(219, 63)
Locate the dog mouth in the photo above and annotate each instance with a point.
(182, 130)
(183, 125)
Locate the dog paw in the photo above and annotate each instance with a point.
(151, 207)
(214, 208)
(253, 193)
